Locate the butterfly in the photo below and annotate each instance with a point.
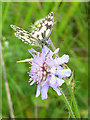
(40, 35)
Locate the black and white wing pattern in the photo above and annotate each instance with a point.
(40, 35)
(25, 36)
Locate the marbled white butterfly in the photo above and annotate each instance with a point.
(39, 36)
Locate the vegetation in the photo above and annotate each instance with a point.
(70, 34)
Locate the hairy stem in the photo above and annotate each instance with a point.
(74, 101)
(67, 103)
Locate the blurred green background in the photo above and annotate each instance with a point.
(70, 34)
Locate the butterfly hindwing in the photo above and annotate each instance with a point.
(25, 36)
(40, 35)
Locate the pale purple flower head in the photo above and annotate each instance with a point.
(46, 71)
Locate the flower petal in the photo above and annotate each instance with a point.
(61, 60)
(45, 50)
(52, 80)
(57, 90)
(44, 91)
(38, 90)
(50, 63)
(56, 51)
(33, 52)
(59, 81)
(64, 73)
(53, 70)
(39, 61)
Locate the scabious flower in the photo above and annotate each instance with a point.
(46, 71)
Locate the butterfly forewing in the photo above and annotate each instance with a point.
(43, 30)
(40, 35)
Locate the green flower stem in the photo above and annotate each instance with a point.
(74, 101)
(67, 103)
(70, 90)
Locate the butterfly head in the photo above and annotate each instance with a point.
(46, 43)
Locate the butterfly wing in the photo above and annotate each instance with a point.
(43, 30)
(25, 36)
(40, 35)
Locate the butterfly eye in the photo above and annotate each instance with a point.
(46, 44)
